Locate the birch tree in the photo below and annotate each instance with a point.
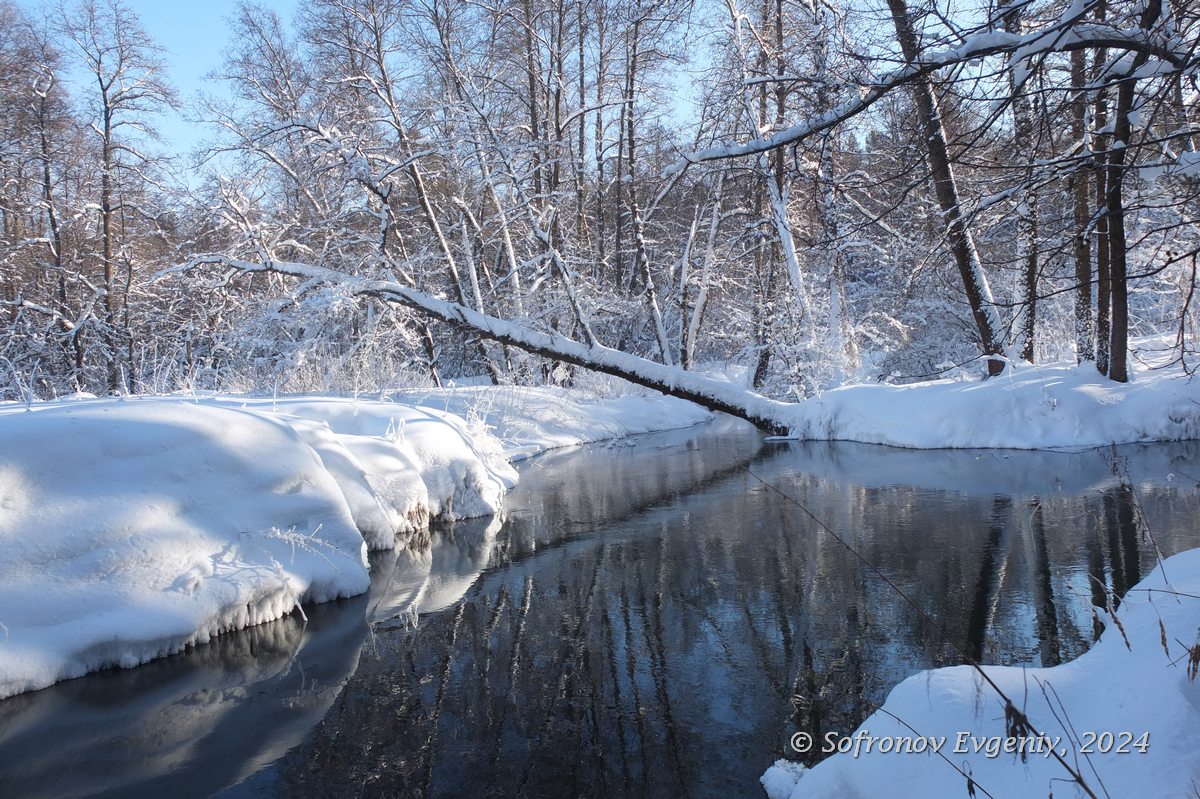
(126, 87)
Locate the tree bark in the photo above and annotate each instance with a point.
(106, 243)
(1027, 209)
(701, 303)
(1084, 327)
(641, 254)
(1118, 156)
(958, 232)
(1103, 284)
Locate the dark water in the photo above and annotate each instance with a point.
(651, 618)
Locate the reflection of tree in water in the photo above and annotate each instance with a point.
(662, 626)
(186, 725)
(1120, 518)
(639, 625)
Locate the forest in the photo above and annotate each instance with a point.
(810, 194)
(277, 398)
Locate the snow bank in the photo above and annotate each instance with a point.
(418, 463)
(129, 530)
(532, 420)
(1133, 684)
(1028, 407)
(133, 529)
(183, 727)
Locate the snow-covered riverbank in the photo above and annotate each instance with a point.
(131, 529)
(532, 420)
(1027, 407)
(1125, 715)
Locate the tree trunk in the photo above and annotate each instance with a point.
(106, 249)
(532, 99)
(73, 349)
(840, 346)
(580, 191)
(683, 283)
(1103, 284)
(958, 233)
(1027, 209)
(641, 254)
(1118, 155)
(701, 303)
(770, 415)
(1084, 328)
(598, 143)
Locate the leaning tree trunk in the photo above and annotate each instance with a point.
(958, 232)
(770, 415)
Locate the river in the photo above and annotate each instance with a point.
(652, 617)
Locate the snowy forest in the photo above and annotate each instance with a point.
(368, 407)
(812, 193)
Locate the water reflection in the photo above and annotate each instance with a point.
(429, 576)
(649, 619)
(186, 725)
(660, 626)
(193, 724)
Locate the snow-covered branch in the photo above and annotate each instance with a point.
(770, 415)
(1064, 36)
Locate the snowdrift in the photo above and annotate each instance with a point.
(1027, 407)
(531, 420)
(1126, 715)
(132, 529)
(402, 465)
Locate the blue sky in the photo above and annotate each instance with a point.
(193, 34)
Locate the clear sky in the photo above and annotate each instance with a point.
(193, 34)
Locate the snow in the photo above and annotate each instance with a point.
(530, 420)
(1186, 165)
(1127, 683)
(131, 529)
(1063, 33)
(1027, 407)
(716, 394)
(1133, 681)
(417, 463)
(134, 528)
(187, 726)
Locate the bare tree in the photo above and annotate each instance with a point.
(127, 87)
